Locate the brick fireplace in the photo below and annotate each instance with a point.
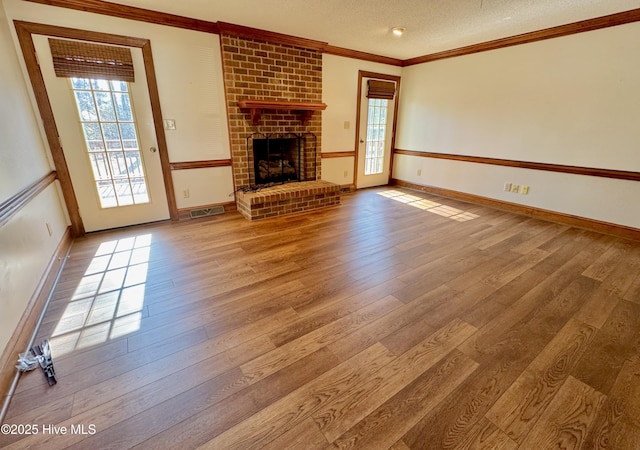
(258, 71)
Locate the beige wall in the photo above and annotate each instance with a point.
(573, 100)
(188, 69)
(18, 124)
(189, 74)
(340, 93)
(25, 244)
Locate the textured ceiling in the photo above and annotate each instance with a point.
(432, 25)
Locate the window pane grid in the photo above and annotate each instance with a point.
(376, 126)
(106, 116)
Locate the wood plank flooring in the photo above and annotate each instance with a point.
(398, 320)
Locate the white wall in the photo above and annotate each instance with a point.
(573, 100)
(25, 245)
(202, 184)
(340, 93)
(189, 73)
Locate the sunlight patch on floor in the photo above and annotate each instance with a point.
(109, 300)
(428, 205)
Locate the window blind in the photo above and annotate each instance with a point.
(381, 89)
(74, 59)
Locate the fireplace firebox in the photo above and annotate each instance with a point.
(281, 158)
(275, 160)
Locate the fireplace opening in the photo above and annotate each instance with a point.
(276, 160)
(280, 158)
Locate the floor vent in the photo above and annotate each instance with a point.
(204, 212)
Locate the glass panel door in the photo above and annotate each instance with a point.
(374, 139)
(108, 137)
(376, 132)
(109, 128)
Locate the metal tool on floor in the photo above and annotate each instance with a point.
(39, 355)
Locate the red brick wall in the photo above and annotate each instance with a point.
(265, 71)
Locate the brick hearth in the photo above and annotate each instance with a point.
(288, 199)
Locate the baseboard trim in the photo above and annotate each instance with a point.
(347, 188)
(613, 229)
(28, 324)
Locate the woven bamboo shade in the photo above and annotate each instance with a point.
(381, 89)
(83, 60)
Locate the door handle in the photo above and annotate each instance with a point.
(153, 149)
(362, 141)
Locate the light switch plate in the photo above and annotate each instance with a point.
(169, 124)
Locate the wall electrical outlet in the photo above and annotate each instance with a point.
(507, 187)
(185, 193)
(346, 173)
(419, 172)
(347, 125)
(515, 188)
(525, 190)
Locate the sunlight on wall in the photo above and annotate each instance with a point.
(430, 206)
(108, 302)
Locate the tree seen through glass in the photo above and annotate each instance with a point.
(107, 119)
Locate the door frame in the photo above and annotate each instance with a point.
(25, 32)
(380, 76)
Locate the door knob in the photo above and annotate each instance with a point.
(362, 141)
(153, 149)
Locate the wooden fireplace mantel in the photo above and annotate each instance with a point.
(305, 109)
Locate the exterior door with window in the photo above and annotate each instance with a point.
(107, 133)
(375, 132)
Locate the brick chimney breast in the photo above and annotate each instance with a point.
(260, 70)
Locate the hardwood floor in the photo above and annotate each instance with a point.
(399, 320)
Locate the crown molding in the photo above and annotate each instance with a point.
(147, 15)
(356, 54)
(133, 13)
(582, 26)
(230, 29)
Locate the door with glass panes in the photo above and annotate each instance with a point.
(108, 138)
(375, 134)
